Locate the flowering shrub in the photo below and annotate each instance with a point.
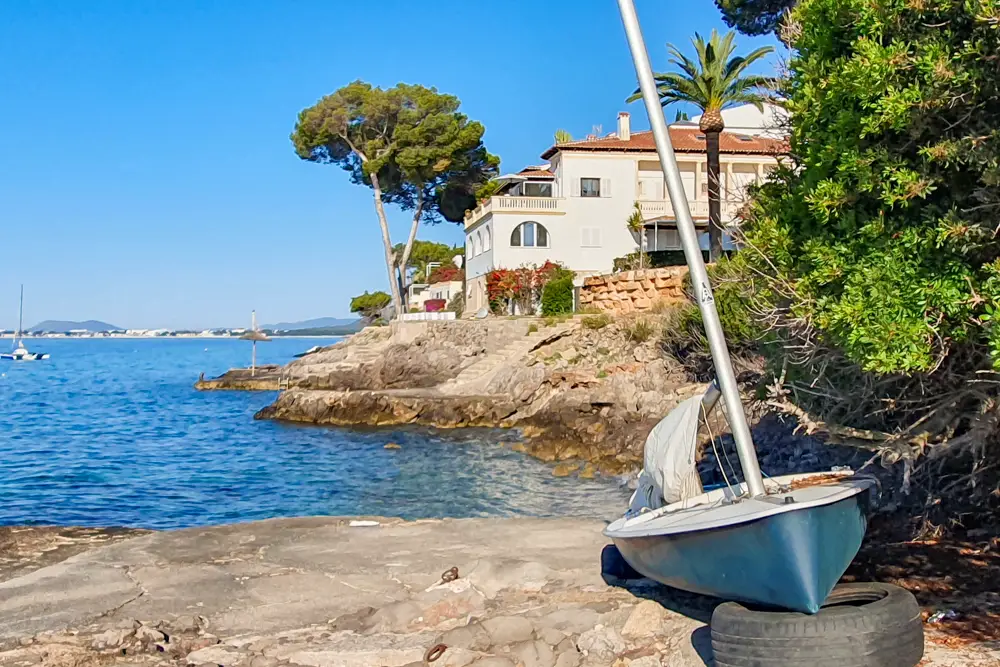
(434, 305)
(444, 274)
(522, 286)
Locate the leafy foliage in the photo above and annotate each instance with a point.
(411, 136)
(715, 80)
(457, 304)
(557, 296)
(636, 224)
(562, 137)
(444, 274)
(410, 144)
(522, 286)
(873, 256)
(886, 228)
(754, 17)
(368, 305)
(424, 252)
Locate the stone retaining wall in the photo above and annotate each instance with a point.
(631, 291)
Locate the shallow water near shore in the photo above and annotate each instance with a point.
(110, 432)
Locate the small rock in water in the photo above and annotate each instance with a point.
(391, 445)
(565, 469)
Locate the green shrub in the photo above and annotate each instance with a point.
(884, 229)
(596, 321)
(557, 296)
(640, 330)
(532, 328)
(457, 304)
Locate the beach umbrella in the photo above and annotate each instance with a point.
(254, 336)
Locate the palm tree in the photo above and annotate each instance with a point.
(716, 80)
(637, 225)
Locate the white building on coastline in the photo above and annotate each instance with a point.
(573, 209)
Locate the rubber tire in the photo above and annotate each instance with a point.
(860, 625)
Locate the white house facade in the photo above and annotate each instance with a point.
(573, 210)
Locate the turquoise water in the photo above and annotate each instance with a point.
(110, 432)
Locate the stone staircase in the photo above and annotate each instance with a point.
(476, 377)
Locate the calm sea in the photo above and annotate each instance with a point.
(111, 433)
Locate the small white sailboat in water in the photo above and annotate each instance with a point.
(18, 351)
(782, 544)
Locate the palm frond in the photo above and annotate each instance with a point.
(714, 79)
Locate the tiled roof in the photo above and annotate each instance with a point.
(536, 172)
(684, 139)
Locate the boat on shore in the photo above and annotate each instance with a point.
(18, 351)
(783, 544)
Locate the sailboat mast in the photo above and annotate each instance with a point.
(20, 318)
(692, 252)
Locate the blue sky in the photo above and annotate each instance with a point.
(146, 176)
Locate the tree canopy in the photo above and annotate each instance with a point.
(369, 305)
(410, 144)
(424, 252)
(412, 136)
(754, 17)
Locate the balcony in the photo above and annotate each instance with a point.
(699, 209)
(507, 204)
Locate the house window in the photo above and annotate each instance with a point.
(535, 189)
(487, 240)
(590, 187)
(479, 243)
(529, 235)
(590, 237)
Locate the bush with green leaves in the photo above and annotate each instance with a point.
(557, 296)
(369, 305)
(885, 225)
(873, 252)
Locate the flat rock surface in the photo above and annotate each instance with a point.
(319, 591)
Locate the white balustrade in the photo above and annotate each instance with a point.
(509, 204)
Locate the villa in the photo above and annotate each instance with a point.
(573, 209)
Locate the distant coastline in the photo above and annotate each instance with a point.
(158, 337)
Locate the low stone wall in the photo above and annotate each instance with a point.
(631, 291)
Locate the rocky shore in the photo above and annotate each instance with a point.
(369, 592)
(584, 389)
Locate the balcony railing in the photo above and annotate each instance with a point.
(507, 204)
(699, 209)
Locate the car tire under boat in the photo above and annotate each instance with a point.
(860, 625)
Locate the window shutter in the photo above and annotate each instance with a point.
(575, 189)
(595, 237)
(605, 187)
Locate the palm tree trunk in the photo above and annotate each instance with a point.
(390, 263)
(714, 199)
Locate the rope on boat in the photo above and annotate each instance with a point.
(718, 459)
